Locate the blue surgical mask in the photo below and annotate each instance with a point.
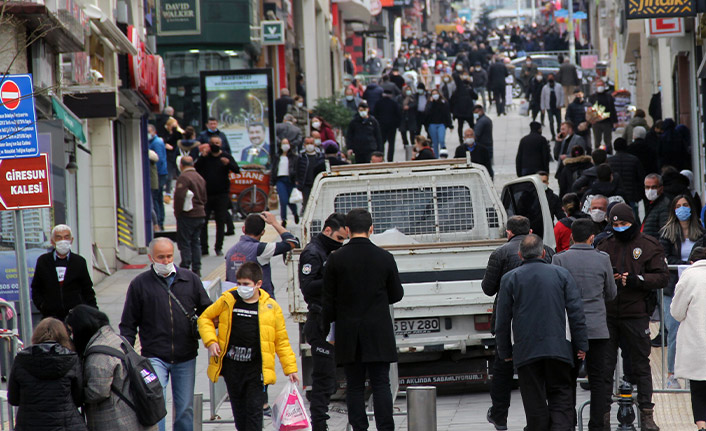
(213, 130)
(621, 228)
(683, 213)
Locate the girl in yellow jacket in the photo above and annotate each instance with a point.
(251, 329)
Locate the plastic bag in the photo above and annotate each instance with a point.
(524, 108)
(288, 411)
(296, 197)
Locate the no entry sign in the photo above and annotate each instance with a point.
(18, 128)
(24, 183)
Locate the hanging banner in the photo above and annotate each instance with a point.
(178, 17)
(243, 103)
(635, 9)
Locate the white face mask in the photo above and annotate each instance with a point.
(469, 141)
(600, 89)
(317, 141)
(435, 96)
(315, 124)
(349, 97)
(246, 292)
(651, 194)
(597, 215)
(63, 247)
(363, 114)
(285, 147)
(459, 68)
(163, 269)
(420, 91)
(309, 148)
(545, 186)
(300, 104)
(539, 78)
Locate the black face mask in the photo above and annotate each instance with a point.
(628, 234)
(330, 243)
(215, 149)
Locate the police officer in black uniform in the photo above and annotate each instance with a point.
(311, 274)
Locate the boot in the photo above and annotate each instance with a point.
(647, 420)
(606, 421)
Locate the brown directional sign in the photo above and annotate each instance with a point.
(636, 9)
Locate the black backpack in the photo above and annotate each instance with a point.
(145, 389)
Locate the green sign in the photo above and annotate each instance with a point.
(178, 17)
(272, 32)
(71, 122)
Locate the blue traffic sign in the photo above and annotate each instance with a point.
(18, 119)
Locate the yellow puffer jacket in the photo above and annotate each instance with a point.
(273, 335)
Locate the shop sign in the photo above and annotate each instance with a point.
(71, 123)
(25, 183)
(147, 72)
(178, 17)
(665, 27)
(272, 32)
(659, 8)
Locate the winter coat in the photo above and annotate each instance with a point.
(479, 154)
(480, 78)
(190, 180)
(291, 133)
(388, 113)
(634, 122)
(372, 94)
(55, 300)
(642, 255)
(526, 335)
(674, 146)
(607, 189)
(292, 174)
(273, 335)
(535, 93)
(606, 100)
(593, 275)
(655, 108)
(363, 135)
(630, 170)
(689, 308)
(462, 100)
(571, 171)
(105, 410)
(532, 155)
(438, 112)
(501, 261)
(564, 147)
(305, 168)
(46, 384)
(527, 73)
(484, 131)
(647, 156)
(576, 112)
(157, 145)
(656, 216)
(301, 115)
(568, 75)
(425, 154)
(205, 135)
(325, 131)
(545, 102)
(562, 230)
(496, 76)
(359, 301)
(165, 332)
(672, 252)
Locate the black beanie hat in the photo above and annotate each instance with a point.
(622, 212)
(535, 126)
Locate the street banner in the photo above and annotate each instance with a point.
(243, 103)
(18, 120)
(636, 9)
(24, 183)
(178, 17)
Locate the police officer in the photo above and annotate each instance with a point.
(311, 274)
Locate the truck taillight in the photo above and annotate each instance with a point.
(482, 322)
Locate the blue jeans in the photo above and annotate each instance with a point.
(183, 381)
(437, 132)
(671, 325)
(158, 204)
(284, 190)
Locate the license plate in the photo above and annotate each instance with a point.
(417, 326)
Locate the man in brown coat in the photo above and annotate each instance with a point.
(189, 209)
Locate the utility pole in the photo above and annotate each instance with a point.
(572, 36)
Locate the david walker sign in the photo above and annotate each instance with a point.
(660, 8)
(178, 17)
(24, 183)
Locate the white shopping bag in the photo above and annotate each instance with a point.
(288, 411)
(296, 197)
(524, 108)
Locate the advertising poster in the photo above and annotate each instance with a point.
(178, 17)
(243, 103)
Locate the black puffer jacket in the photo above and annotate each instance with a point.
(572, 169)
(631, 172)
(46, 384)
(672, 252)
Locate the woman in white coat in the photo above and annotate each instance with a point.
(689, 308)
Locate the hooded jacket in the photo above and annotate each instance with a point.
(571, 171)
(46, 384)
(273, 334)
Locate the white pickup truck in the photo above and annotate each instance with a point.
(441, 220)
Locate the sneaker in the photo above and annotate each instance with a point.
(673, 383)
(492, 421)
(296, 218)
(219, 252)
(267, 411)
(284, 223)
(204, 252)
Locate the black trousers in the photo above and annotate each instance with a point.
(546, 388)
(189, 241)
(554, 114)
(362, 157)
(379, 374)
(536, 111)
(460, 121)
(698, 399)
(323, 375)
(595, 370)
(245, 390)
(501, 389)
(306, 192)
(218, 206)
(388, 135)
(499, 97)
(408, 127)
(635, 333)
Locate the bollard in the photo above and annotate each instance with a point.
(421, 408)
(626, 413)
(198, 412)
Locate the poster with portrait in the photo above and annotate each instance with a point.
(243, 103)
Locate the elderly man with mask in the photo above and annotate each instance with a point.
(161, 306)
(61, 278)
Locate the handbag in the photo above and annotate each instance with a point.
(191, 317)
(296, 197)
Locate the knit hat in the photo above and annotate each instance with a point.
(622, 212)
(535, 126)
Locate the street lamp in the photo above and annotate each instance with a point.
(262, 108)
(213, 103)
